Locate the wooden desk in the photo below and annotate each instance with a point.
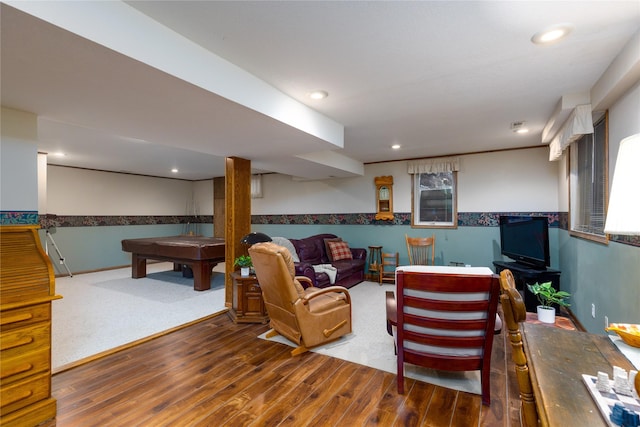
(557, 359)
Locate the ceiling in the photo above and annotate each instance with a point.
(146, 86)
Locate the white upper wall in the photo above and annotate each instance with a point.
(203, 197)
(73, 191)
(18, 161)
(624, 121)
(518, 180)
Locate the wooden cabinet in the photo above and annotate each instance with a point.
(27, 287)
(248, 305)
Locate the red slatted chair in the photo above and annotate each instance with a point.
(446, 321)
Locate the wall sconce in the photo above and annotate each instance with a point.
(623, 215)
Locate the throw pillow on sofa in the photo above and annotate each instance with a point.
(339, 250)
(328, 249)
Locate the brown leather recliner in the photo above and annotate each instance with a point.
(308, 317)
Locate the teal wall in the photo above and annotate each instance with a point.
(605, 275)
(594, 273)
(98, 247)
(477, 246)
(95, 248)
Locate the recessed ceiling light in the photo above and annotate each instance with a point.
(552, 34)
(318, 94)
(396, 146)
(174, 170)
(58, 154)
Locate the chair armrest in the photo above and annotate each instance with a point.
(359, 253)
(305, 269)
(305, 279)
(305, 299)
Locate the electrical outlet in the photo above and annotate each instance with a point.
(606, 322)
(593, 311)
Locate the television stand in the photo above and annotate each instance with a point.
(524, 274)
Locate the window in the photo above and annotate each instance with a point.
(588, 186)
(434, 200)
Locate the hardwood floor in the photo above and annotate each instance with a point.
(217, 373)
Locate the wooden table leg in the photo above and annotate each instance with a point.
(201, 275)
(138, 266)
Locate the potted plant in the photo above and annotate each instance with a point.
(244, 262)
(547, 297)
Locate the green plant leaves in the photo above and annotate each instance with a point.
(547, 295)
(243, 261)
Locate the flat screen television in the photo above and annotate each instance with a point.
(525, 239)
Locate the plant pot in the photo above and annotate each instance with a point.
(244, 271)
(546, 314)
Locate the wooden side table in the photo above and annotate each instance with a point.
(247, 305)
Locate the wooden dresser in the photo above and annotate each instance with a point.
(27, 287)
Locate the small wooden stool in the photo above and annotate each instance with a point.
(375, 260)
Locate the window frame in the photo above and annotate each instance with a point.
(415, 202)
(574, 180)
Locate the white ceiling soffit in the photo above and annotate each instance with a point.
(313, 166)
(302, 169)
(194, 65)
(561, 112)
(439, 78)
(622, 74)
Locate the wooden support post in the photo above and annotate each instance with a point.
(237, 215)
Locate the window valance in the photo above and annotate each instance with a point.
(437, 165)
(579, 123)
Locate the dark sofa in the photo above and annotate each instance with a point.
(312, 251)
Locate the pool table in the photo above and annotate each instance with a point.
(199, 253)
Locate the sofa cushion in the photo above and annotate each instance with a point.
(328, 249)
(349, 266)
(339, 251)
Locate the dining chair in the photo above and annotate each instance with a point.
(446, 322)
(387, 272)
(514, 312)
(422, 250)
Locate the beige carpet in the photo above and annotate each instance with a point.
(372, 346)
(103, 310)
